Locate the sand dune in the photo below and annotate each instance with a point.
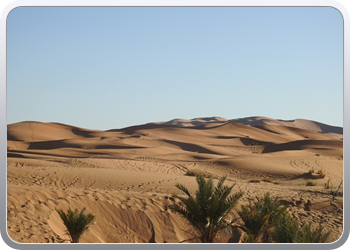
(127, 176)
(39, 131)
(259, 120)
(53, 138)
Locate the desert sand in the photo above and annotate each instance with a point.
(126, 177)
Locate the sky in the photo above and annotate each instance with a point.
(113, 67)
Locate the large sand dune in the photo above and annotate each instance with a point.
(127, 176)
(259, 120)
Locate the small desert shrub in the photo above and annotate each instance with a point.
(311, 183)
(76, 222)
(311, 171)
(321, 173)
(196, 172)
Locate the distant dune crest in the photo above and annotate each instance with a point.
(260, 120)
(39, 131)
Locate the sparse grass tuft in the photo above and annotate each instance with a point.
(196, 172)
(311, 183)
(321, 173)
(327, 185)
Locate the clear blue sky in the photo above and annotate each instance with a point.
(104, 68)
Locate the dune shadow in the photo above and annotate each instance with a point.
(46, 145)
(191, 147)
(227, 137)
(12, 138)
(12, 155)
(83, 133)
(56, 144)
(302, 144)
(252, 142)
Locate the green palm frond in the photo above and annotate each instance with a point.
(207, 210)
(76, 222)
(260, 216)
(183, 189)
(288, 230)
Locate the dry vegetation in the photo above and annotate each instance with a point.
(196, 172)
(311, 183)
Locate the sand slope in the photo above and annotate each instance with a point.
(127, 176)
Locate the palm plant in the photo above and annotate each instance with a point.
(308, 235)
(207, 211)
(259, 217)
(76, 222)
(288, 231)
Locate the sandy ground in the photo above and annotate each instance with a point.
(126, 177)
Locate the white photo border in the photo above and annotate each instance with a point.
(170, 3)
